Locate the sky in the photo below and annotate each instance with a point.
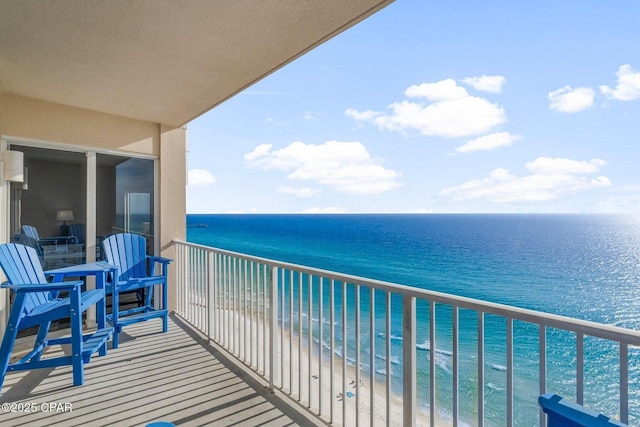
(438, 107)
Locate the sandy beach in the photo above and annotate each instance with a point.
(337, 395)
(342, 399)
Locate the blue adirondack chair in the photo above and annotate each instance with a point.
(136, 272)
(37, 303)
(32, 233)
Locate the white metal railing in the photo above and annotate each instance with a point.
(327, 341)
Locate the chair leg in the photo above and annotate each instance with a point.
(76, 338)
(10, 335)
(165, 305)
(115, 306)
(7, 347)
(148, 296)
(101, 309)
(43, 330)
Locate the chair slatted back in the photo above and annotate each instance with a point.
(128, 252)
(31, 231)
(21, 265)
(77, 230)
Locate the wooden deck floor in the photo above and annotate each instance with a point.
(175, 377)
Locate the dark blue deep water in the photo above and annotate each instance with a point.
(583, 266)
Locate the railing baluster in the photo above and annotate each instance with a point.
(300, 288)
(432, 362)
(251, 313)
(542, 340)
(265, 339)
(310, 334)
(189, 280)
(372, 354)
(624, 383)
(388, 353)
(455, 364)
(273, 345)
(195, 286)
(321, 340)
(480, 369)
(580, 368)
(227, 309)
(249, 299)
(234, 309)
(282, 327)
(509, 372)
(332, 347)
(201, 290)
(409, 405)
(240, 310)
(217, 297)
(358, 362)
(290, 331)
(344, 353)
(209, 281)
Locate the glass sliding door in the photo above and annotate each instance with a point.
(125, 197)
(48, 209)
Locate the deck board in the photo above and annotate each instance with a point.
(152, 376)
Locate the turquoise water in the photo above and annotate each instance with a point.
(586, 267)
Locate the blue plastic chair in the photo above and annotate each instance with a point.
(135, 273)
(32, 235)
(37, 303)
(564, 413)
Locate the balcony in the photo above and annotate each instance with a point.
(175, 377)
(260, 342)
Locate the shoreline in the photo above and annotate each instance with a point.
(355, 392)
(348, 393)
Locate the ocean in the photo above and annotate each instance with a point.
(582, 266)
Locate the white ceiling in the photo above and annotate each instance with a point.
(164, 61)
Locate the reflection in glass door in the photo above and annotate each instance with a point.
(124, 197)
(48, 209)
(137, 213)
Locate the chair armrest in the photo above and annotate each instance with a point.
(159, 259)
(51, 287)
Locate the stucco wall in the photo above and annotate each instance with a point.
(173, 199)
(39, 120)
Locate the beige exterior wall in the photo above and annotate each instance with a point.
(173, 197)
(38, 120)
(45, 121)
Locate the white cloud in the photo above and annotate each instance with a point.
(200, 178)
(551, 166)
(260, 151)
(453, 112)
(344, 166)
(551, 178)
(569, 100)
(328, 210)
(488, 142)
(627, 87)
(302, 192)
(492, 84)
(361, 115)
(444, 90)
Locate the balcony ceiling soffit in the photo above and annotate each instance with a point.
(160, 61)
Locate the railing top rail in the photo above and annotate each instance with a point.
(610, 332)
